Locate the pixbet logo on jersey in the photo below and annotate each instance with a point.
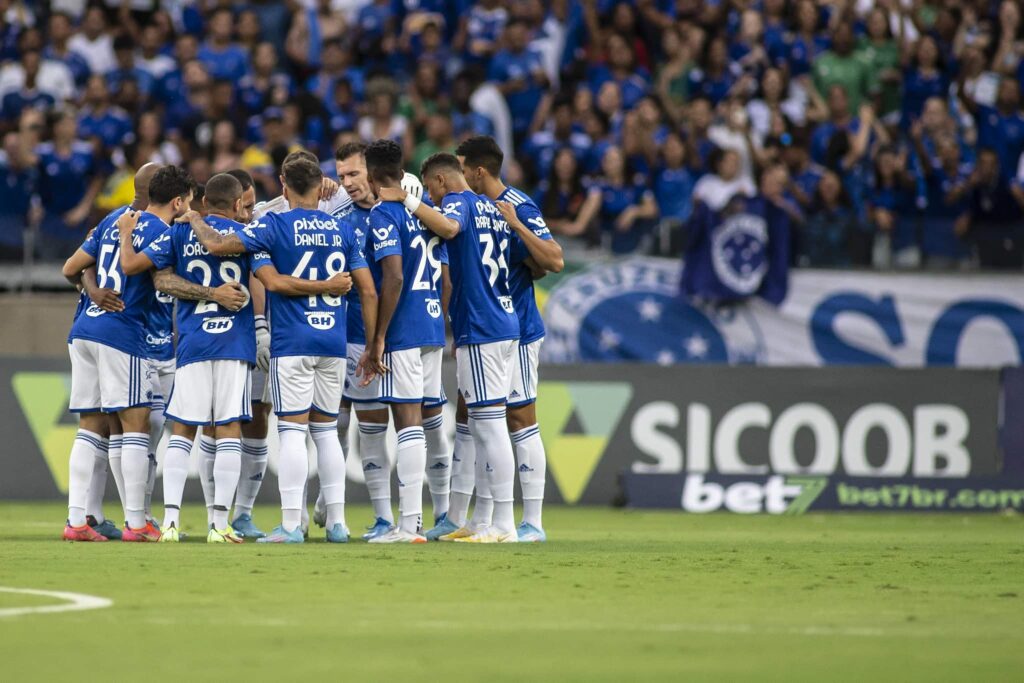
(320, 320)
(314, 224)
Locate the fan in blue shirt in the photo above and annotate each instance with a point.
(520, 75)
(223, 59)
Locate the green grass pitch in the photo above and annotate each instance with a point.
(613, 596)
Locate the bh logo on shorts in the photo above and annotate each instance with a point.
(217, 325)
(320, 320)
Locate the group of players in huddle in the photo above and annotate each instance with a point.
(326, 299)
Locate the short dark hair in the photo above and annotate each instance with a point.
(302, 175)
(169, 183)
(242, 176)
(198, 193)
(482, 151)
(350, 149)
(440, 161)
(299, 154)
(384, 160)
(222, 191)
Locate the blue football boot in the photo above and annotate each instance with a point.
(244, 527)
(442, 527)
(528, 533)
(279, 535)
(107, 529)
(380, 527)
(337, 534)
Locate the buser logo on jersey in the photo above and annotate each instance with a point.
(320, 320)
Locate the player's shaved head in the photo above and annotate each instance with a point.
(222, 194)
(441, 163)
(143, 177)
(384, 161)
(302, 176)
(481, 151)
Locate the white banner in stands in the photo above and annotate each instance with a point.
(632, 310)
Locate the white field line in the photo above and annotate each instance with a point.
(74, 602)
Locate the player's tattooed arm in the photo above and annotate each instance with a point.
(215, 243)
(444, 227)
(230, 295)
(132, 262)
(287, 285)
(547, 254)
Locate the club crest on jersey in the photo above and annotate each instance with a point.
(434, 308)
(217, 325)
(320, 320)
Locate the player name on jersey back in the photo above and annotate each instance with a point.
(481, 308)
(206, 331)
(125, 330)
(311, 245)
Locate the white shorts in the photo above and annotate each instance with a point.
(260, 386)
(525, 360)
(162, 377)
(354, 392)
(211, 391)
(432, 403)
(415, 375)
(106, 379)
(301, 383)
(484, 372)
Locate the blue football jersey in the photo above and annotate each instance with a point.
(126, 330)
(417, 320)
(356, 218)
(520, 281)
(205, 330)
(311, 245)
(159, 332)
(481, 308)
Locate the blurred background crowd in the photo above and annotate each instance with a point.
(889, 131)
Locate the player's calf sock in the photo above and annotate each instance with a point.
(226, 469)
(156, 432)
(293, 469)
(175, 473)
(532, 461)
(114, 460)
(330, 463)
(207, 456)
(463, 475)
(135, 467)
(439, 464)
(344, 421)
(80, 466)
(410, 462)
(490, 434)
(376, 469)
(98, 483)
(254, 466)
(483, 509)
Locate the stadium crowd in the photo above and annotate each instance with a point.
(890, 131)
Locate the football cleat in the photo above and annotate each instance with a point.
(151, 530)
(170, 534)
(337, 534)
(442, 527)
(279, 535)
(140, 535)
(490, 535)
(83, 533)
(153, 522)
(225, 535)
(380, 527)
(320, 513)
(106, 528)
(461, 532)
(528, 533)
(244, 527)
(396, 535)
